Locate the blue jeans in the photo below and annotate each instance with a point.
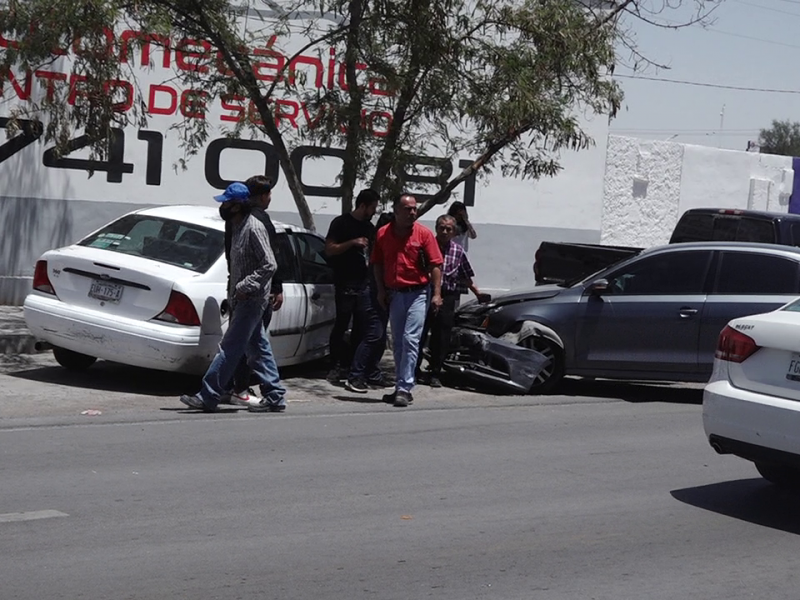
(245, 336)
(407, 312)
(272, 388)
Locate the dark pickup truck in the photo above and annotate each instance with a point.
(562, 262)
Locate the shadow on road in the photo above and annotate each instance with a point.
(311, 378)
(632, 391)
(628, 391)
(114, 377)
(753, 500)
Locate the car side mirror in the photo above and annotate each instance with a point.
(598, 287)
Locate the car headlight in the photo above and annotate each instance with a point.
(475, 316)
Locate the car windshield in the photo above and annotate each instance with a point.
(793, 306)
(176, 243)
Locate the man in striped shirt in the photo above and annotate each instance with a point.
(252, 265)
(457, 277)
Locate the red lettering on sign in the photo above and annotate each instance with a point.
(290, 116)
(235, 104)
(145, 39)
(193, 60)
(193, 104)
(23, 93)
(118, 84)
(153, 109)
(261, 65)
(50, 77)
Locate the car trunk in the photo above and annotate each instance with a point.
(775, 368)
(119, 284)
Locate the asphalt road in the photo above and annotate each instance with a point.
(609, 491)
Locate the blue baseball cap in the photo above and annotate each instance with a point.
(235, 192)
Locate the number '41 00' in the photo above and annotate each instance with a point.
(115, 167)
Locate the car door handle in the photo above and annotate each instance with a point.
(316, 296)
(687, 312)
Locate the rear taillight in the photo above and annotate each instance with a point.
(179, 310)
(734, 346)
(41, 282)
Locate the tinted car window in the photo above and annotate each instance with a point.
(313, 266)
(748, 273)
(723, 228)
(693, 228)
(284, 256)
(755, 230)
(665, 274)
(185, 245)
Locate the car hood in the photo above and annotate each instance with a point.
(539, 292)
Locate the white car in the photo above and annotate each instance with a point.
(751, 406)
(149, 290)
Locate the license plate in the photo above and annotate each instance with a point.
(793, 372)
(108, 292)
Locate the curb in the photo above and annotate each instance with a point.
(17, 342)
(15, 338)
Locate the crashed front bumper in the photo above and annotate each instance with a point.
(485, 359)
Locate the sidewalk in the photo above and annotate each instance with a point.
(14, 335)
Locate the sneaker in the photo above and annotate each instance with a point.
(245, 398)
(434, 382)
(356, 385)
(402, 398)
(264, 405)
(336, 375)
(196, 401)
(389, 398)
(378, 382)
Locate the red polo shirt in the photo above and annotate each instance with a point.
(400, 256)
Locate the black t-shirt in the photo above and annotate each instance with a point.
(351, 268)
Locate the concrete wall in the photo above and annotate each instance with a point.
(32, 226)
(649, 184)
(43, 208)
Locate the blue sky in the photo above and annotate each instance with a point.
(751, 44)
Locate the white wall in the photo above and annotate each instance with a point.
(650, 184)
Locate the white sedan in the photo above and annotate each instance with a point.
(751, 406)
(149, 290)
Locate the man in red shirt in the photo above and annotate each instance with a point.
(407, 263)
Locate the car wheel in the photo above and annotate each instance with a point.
(74, 361)
(553, 371)
(782, 476)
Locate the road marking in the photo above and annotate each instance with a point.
(31, 516)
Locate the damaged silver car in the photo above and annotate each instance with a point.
(656, 316)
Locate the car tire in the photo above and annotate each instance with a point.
(782, 476)
(553, 372)
(74, 361)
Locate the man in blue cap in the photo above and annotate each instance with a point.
(260, 197)
(252, 265)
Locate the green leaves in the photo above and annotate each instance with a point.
(783, 137)
(506, 82)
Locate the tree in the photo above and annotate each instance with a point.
(487, 78)
(84, 50)
(783, 137)
(504, 81)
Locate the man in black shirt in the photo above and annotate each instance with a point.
(348, 246)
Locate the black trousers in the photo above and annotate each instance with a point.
(367, 336)
(438, 327)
